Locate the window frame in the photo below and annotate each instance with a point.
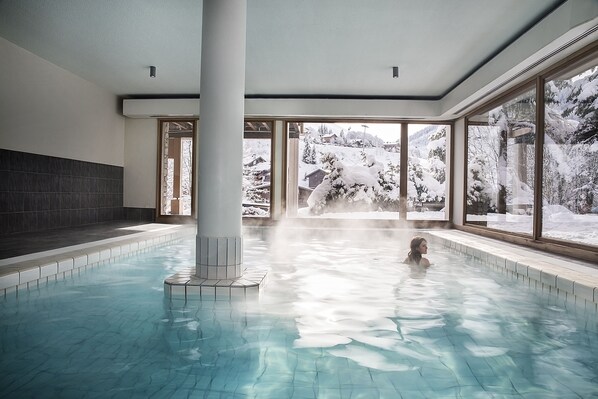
(258, 220)
(538, 80)
(402, 221)
(176, 218)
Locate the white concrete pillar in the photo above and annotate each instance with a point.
(222, 96)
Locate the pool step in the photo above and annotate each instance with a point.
(185, 285)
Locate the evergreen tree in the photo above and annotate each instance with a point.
(586, 98)
(415, 175)
(306, 157)
(437, 155)
(477, 200)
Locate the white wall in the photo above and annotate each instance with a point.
(141, 160)
(47, 110)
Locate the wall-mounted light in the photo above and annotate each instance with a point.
(395, 72)
(152, 71)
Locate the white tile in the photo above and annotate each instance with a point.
(534, 274)
(583, 291)
(512, 266)
(115, 251)
(564, 284)
(548, 278)
(208, 292)
(29, 275)
(239, 250)
(177, 291)
(202, 251)
(252, 292)
(93, 257)
(203, 271)
(65, 265)
(231, 250)
(125, 248)
(212, 251)
(222, 292)
(9, 280)
(231, 271)
(80, 261)
(212, 273)
(49, 269)
(193, 291)
(104, 254)
(222, 251)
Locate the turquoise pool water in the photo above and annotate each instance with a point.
(339, 318)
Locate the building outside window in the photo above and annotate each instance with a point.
(257, 168)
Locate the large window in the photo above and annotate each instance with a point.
(427, 179)
(257, 168)
(176, 168)
(500, 165)
(570, 179)
(344, 170)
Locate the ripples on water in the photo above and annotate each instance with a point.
(341, 316)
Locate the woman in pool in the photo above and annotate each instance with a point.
(419, 247)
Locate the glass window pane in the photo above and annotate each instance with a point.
(257, 168)
(570, 179)
(176, 176)
(426, 181)
(500, 163)
(345, 170)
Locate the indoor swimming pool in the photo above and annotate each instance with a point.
(339, 317)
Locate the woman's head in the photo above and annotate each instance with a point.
(419, 244)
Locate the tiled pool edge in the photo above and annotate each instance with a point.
(23, 275)
(569, 281)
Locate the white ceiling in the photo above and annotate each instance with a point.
(309, 48)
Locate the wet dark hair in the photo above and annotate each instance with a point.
(414, 256)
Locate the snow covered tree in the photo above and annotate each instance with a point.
(436, 166)
(478, 201)
(306, 157)
(312, 156)
(571, 149)
(387, 196)
(417, 190)
(353, 188)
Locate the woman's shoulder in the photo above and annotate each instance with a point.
(424, 262)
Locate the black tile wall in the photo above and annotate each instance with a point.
(39, 192)
(147, 215)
